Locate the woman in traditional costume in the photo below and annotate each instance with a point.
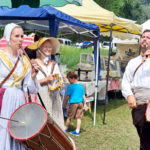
(49, 77)
(13, 87)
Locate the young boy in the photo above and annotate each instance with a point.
(77, 102)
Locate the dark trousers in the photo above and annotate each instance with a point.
(143, 127)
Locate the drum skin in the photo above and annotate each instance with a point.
(49, 137)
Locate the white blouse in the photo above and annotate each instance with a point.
(141, 79)
(13, 97)
(47, 70)
(27, 81)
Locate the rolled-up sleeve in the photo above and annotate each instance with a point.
(126, 81)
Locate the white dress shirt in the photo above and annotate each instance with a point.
(141, 79)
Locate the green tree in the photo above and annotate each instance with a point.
(111, 5)
(133, 10)
(145, 2)
(138, 10)
(126, 9)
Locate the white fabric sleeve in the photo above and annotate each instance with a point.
(126, 81)
(32, 85)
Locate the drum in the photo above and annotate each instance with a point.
(37, 130)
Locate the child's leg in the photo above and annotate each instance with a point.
(78, 125)
(68, 121)
(79, 115)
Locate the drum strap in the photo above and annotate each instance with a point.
(52, 69)
(41, 100)
(29, 96)
(137, 68)
(53, 66)
(13, 69)
(143, 60)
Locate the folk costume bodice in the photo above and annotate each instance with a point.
(7, 62)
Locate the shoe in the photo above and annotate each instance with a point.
(66, 130)
(75, 133)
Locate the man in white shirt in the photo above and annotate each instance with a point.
(136, 89)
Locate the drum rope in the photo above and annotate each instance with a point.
(36, 144)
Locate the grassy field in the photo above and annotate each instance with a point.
(117, 134)
(71, 55)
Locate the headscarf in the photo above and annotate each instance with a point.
(8, 30)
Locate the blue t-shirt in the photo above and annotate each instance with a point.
(75, 92)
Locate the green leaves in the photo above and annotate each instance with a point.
(137, 10)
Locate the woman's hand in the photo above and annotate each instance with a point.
(49, 79)
(35, 69)
(132, 101)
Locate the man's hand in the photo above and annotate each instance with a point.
(132, 101)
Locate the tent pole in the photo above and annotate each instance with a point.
(53, 27)
(97, 73)
(107, 75)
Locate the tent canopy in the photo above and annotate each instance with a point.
(54, 17)
(126, 41)
(91, 12)
(146, 25)
(25, 12)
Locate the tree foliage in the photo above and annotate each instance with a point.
(137, 10)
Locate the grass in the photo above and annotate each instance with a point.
(71, 55)
(117, 134)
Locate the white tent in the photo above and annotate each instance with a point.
(127, 49)
(146, 25)
(91, 12)
(132, 41)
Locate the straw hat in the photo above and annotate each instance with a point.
(54, 42)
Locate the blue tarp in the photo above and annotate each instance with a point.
(54, 16)
(47, 12)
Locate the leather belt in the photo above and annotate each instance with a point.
(141, 104)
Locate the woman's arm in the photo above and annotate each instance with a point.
(32, 84)
(46, 80)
